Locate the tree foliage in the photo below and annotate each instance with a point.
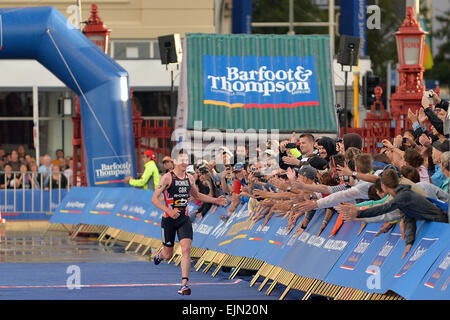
(441, 60)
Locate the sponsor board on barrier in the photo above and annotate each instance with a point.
(423, 246)
(439, 270)
(363, 244)
(75, 205)
(385, 251)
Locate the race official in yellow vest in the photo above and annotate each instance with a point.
(150, 177)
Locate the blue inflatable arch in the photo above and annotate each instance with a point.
(44, 34)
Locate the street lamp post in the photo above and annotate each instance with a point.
(96, 31)
(410, 50)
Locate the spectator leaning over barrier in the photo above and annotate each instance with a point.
(326, 147)
(150, 177)
(438, 178)
(413, 205)
(239, 182)
(438, 115)
(306, 145)
(205, 186)
(445, 170)
(413, 158)
(363, 165)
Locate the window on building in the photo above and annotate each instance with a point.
(154, 103)
(134, 49)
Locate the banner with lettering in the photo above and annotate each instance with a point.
(75, 205)
(260, 81)
(435, 285)
(321, 251)
(432, 239)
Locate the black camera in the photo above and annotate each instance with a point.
(380, 145)
(291, 145)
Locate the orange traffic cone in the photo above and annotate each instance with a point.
(1, 219)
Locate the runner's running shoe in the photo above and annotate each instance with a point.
(184, 291)
(156, 259)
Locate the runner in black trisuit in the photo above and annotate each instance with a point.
(177, 186)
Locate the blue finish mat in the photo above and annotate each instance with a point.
(121, 281)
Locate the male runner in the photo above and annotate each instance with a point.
(177, 186)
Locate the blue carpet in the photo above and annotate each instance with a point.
(122, 281)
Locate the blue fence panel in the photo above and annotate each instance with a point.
(75, 205)
(204, 229)
(217, 234)
(101, 208)
(320, 252)
(431, 241)
(436, 282)
(138, 215)
(236, 234)
(364, 257)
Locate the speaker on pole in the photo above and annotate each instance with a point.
(170, 49)
(348, 53)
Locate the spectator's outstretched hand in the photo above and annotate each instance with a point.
(127, 179)
(363, 225)
(344, 171)
(306, 206)
(290, 159)
(291, 174)
(384, 228)
(349, 211)
(408, 248)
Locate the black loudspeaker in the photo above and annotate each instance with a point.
(170, 49)
(348, 53)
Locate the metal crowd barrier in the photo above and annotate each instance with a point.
(31, 196)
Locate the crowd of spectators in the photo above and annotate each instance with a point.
(406, 181)
(19, 170)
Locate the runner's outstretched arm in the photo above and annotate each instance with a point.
(203, 197)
